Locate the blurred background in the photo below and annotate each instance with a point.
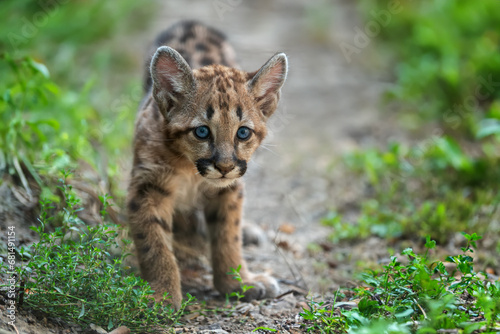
(388, 128)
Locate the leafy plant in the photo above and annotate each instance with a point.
(244, 288)
(28, 128)
(320, 317)
(420, 296)
(49, 122)
(431, 188)
(72, 275)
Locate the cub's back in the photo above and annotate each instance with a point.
(198, 44)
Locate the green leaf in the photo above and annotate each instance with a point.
(404, 314)
(39, 67)
(430, 244)
(488, 127)
(82, 312)
(368, 307)
(265, 329)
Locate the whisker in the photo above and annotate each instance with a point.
(267, 148)
(255, 162)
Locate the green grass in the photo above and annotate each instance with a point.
(70, 273)
(417, 296)
(432, 188)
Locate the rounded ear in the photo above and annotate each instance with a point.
(267, 82)
(172, 78)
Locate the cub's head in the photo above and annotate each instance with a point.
(215, 116)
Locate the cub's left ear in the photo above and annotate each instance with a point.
(266, 84)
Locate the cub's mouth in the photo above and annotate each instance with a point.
(227, 171)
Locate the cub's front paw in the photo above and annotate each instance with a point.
(264, 286)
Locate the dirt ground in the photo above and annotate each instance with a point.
(329, 106)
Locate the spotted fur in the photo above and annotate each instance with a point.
(178, 176)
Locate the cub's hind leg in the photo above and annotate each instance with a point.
(150, 208)
(223, 216)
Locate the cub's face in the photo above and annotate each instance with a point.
(215, 116)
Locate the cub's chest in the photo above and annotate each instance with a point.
(190, 192)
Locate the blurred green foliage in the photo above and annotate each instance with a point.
(29, 126)
(434, 188)
(446, 67)
(70, 83)
(446, 56)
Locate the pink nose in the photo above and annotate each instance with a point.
(224, 168)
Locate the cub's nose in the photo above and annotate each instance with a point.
(224, 168)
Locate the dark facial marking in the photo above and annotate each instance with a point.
(202, 165)
(145, 249)
(140, 236)
(239, 113)
(242, 164)
(210, 112)
(224, 105)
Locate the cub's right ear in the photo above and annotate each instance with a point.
(172, 79)
(267, 82)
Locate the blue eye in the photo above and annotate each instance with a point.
(202, 132)
(243, 133)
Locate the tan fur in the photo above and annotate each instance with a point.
(176, 174)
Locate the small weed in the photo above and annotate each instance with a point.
(265, 329)
(244, 288)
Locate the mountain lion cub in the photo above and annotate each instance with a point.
(197, 128)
